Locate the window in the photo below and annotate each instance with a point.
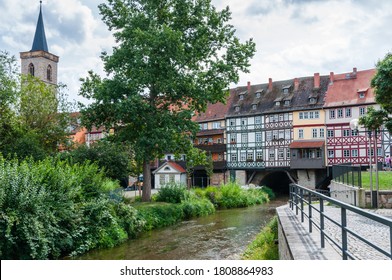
(340, 113)
(243, 121)
(287, 134)
(205, 126)
(348, 112)
(49, 73)
(280, 117)
(331, 153)
(171, 178)
(275, 135)
(216, 125)
(312, 100)
(346, 132)
(306, 115)
(31, 69)
(276, 118)
(272, 153)
(331, 114)
(346, 153)
(379, 152)
(254, 106)
(232, 122)
(330, 133)
(371, 152)
(354, 153)
(287, 103)
(301, 115)
(316, 114)
(241, 97)
(162, 179)
(258, 120)
(361, 95)
(259, 156)
(311, 115)
(249, 156)
(288, 153)
(281, 153)
(233, 157)
(362, 111)
(258, 137)
(233, 138)
(277, 103)
(314, 132)
(281, 134)
(354, 132)
(258, 94)
(300, 133)
(286, 116)
(269, 135)
(237, 108)
(322, 133)
(243, 156)
(244, 138)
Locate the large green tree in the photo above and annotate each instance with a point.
(172, 57)
(382, 84)
(34, 116)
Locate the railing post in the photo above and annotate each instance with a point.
(291, 196)
(344, 232)
(296, 200)
(301, 191)
(322, 222)
(310, 211)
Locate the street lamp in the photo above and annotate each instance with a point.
(373, 194)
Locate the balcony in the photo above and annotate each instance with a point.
(307, 163)
(213, 148)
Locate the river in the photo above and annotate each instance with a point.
(221, 236)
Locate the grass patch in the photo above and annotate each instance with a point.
(384, 180)
(264, 247)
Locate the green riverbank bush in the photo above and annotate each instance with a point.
(50, 209)
(264, 247)
(231, 195)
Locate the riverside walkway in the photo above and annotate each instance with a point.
(304, 245)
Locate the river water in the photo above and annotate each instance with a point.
(223, 235)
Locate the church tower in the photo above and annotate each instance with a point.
(39, 62)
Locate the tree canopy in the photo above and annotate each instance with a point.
(34, 115)
(172, 58)
(382, 84)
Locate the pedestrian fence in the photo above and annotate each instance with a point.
(303, 200)
(347, 174)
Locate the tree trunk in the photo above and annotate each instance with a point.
(146, 196)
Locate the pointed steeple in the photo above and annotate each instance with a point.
(39, 43)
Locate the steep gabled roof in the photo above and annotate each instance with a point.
(345, 88)
(39, 43)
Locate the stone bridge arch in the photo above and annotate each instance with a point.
(277, 180)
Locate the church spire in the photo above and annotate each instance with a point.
(39, 43)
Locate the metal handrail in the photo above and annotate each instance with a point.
(300, 195)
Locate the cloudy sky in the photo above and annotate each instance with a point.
(294, 38)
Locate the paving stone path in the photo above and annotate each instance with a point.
(375, 232)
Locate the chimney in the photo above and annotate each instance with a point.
(331, 77)
(355, 72)
(248, 87)
(316, 80)
(296, 84)
(270, 84)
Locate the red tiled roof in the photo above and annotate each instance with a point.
(214, 111)
(176, 166)
(306, 144)
(344, 91)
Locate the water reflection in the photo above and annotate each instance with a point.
(223, 235)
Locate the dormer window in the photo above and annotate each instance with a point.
(312, 100)
(237, 108)
(286, 89)
(241, 97)
(277, 103)
(362, 92)
(254, 106)
(258, 93)
(287, 103)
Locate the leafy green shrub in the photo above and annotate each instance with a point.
(264, 246)
(50, 209)
(269, 192)
(159, 215)
(172, 193)
(197, 208)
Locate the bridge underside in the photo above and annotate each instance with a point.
(277, 180)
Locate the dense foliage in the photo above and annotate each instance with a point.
(34, 116)
(171, 59)
(113, 158)
(264, 246)
(50, 209)
(231, 195)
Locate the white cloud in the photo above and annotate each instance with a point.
(293, 38)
